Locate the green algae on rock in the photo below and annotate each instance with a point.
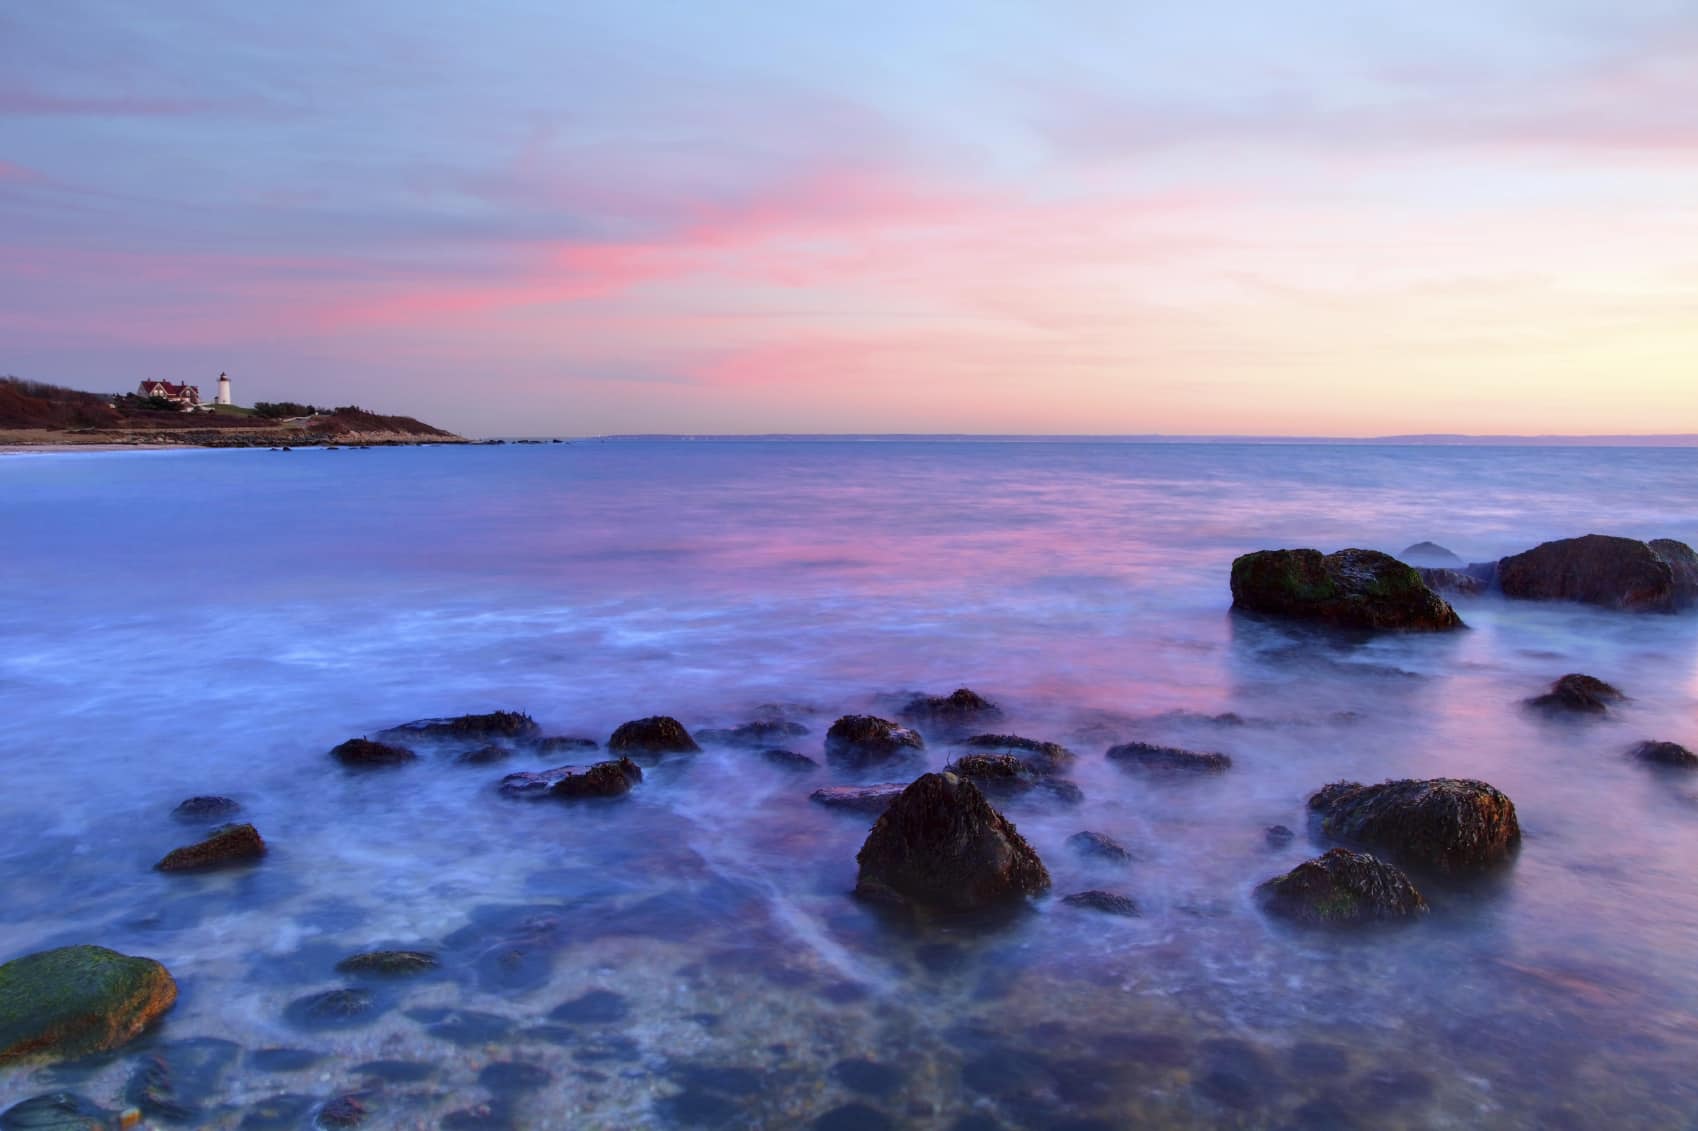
(1342, 888)
(653, 736)
(1454, 825)
(78, 1000)
(227, 847)
(1349, 589)
(389, 963)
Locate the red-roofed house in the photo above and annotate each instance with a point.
(187, 395)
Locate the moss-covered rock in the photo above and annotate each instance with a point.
(1598, 569)
(604, 779)
(466, 728)
(1445, 824)
(78, 1000)
(1041, 757)
(364, 754)
(652, 737)
(228, 847)
(941, 845)
(389, 963)
(856, 742)
(1352, 588)
(1577, 694)
(1342, 888)
(1149, 758)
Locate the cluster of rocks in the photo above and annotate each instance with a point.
(1367, 589)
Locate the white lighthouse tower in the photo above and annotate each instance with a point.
(223, 389)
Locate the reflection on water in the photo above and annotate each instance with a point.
(689, 956)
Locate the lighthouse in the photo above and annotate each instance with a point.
(223, 389)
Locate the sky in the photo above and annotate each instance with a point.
(710, 216)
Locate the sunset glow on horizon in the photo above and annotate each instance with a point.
(1083, 218)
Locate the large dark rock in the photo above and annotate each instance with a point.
(78, 1000)
(1362, 589)
(859, 798)
(1342, 888)
(1665, 754)
(1580, 694)
(856, 742)
(467, 728)
(206, 809)
(961, 709)
(1597, 569)
(1041, 757)
(1153, 759)
(652, 737)
(364, 754)
(941, 845)
(758, 735)
(1430, 554)
(604, 779)
(1445, 824)
(228, 847)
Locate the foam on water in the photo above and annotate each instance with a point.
(185, 623)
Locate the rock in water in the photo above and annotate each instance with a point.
(604, 779)
(64, 1111)
(389, 963)
(1099, 846)
(758, 735)
(859, 798)
(856, 742)
(1446, 824)
(1042, 757)
(941, 845)
(1582, 694)
(1430, 554)
(1452, 581)
(496, 724)
(364, 754)
(206, 809)
(960, 709)
(1154, 759)
(228, 847)
(653, 736)
(1342, 888)
(1108, 902)
(1665, 754)
(1616, 573)
(79, 1000)
(1348, 589)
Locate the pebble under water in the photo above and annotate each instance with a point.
(213, 623)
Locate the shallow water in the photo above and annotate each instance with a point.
(213, 622)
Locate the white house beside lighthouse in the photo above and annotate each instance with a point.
(223, 389)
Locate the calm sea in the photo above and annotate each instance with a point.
(213, 622)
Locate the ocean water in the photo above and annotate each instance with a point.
(214, 622)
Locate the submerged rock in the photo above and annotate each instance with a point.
(653, 736)
(756, 735)
(562, 744)
(389, 963)
(496, 724)
(1278, 836)
(1342, 888)
(1150, 758)
(1665, 754)
(859, 798)
(176, 1081)
(1456, 581)
(364, 754)
(485, 755)
(1446, 824)
(1429, 554)
(942, 845)
(78, 1000)
(1042, 757)
(788, 760)
(1108, 902)
(1578, 693)
(1099, 846)
(333, 1009)
(960, 709)
(1597, 569)
(856, 742)
(227, 847)
(604, 779)
(1349, 589)
(64, 1111)
(206, 808)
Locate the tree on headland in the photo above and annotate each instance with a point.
(278, 410)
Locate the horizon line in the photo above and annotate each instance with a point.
(1421, 439)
